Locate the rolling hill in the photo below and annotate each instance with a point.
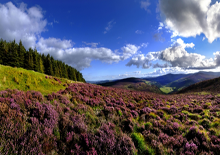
(211, 86)
(191, 79)
(134, 84)
(22, 79)
(166, 79)
(167, 84)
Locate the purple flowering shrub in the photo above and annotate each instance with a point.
(90, 119)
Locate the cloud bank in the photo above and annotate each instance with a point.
(81, 58)
(21, 23)
(176, 56)
(189, 18)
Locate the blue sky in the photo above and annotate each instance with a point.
(119, 38)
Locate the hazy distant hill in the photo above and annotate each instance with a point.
(166, 79)
(134, 84)
(169, 83)
(99, 82)
(192, 79)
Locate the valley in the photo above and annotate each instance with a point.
(166, 84)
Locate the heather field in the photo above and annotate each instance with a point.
(91, 119)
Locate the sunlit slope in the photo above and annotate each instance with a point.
(21, 79)
(211, 86)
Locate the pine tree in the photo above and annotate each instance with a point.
(29, 60)
(1, 51)
(13, 55)
(5, 57)
(48, 65)
(64, 71)
(36, 61)
(71, 73)
(41, 65)
(55, 68)
(21, 52)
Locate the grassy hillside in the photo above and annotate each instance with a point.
(166, 84)
(211, 86)
(21, 79)
(171, 83)
(189, 80)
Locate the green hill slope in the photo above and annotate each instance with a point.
(191, 79)
(21, 79)
(211, 86)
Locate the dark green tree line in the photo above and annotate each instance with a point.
(15, 55)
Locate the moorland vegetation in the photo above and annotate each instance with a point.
(90, 119)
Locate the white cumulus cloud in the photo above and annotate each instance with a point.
(81, 57)
(175, 56)
(189, 18)
(21, 23)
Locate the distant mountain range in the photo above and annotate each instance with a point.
(169, 83)
(134, 84)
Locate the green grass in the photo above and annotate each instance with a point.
(148, 82)
(166, 89)
(139, 143)
(120, 113)
(192, 116)
(21, 79)
(202, 93)
(148, 125)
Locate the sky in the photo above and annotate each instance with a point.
(114, 39)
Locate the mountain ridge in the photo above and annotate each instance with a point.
(169, 83)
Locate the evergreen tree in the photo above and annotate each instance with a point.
(36, 61)
(78, 76)
(41, 65)
(29, 60)
(59, 68)
(1, 51)
(64, 71)
(74, 74)
(16, 56)
(48, 65)
(13, 55)
(21, 52)
(5, 57)
(55, 68)
(71, 73)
